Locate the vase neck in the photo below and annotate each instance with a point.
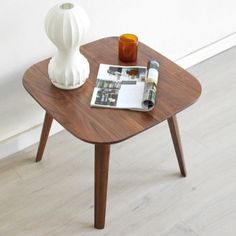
(68, 56)
(68, 52)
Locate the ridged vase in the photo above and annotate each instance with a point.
(65, 25)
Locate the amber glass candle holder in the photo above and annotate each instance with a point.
(128, 47)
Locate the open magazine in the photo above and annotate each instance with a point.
(125, 87)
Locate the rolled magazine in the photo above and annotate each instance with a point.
(150, 88)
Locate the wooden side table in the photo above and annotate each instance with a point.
(177, 89)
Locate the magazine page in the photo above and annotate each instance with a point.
(119, 87)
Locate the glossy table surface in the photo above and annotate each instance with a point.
(177, 89)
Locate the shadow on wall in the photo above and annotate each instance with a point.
(18, 110)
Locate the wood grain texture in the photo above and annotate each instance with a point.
(177, 89)
(44, 136)
(174, 130)
(102, 152)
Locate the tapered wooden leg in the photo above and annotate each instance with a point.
(102, 152)
(44, 136)
(174, 130)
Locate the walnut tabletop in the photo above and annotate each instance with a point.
(176, 90)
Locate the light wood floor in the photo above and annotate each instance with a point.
(146, 194)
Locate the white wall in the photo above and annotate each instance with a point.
(174, 28)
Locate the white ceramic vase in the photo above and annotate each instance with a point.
(65, 26)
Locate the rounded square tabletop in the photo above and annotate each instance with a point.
(177, 89)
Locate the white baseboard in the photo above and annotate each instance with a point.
(207, 51)
(29, 137)
(25, 139)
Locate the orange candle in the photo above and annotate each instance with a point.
(128, 47)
